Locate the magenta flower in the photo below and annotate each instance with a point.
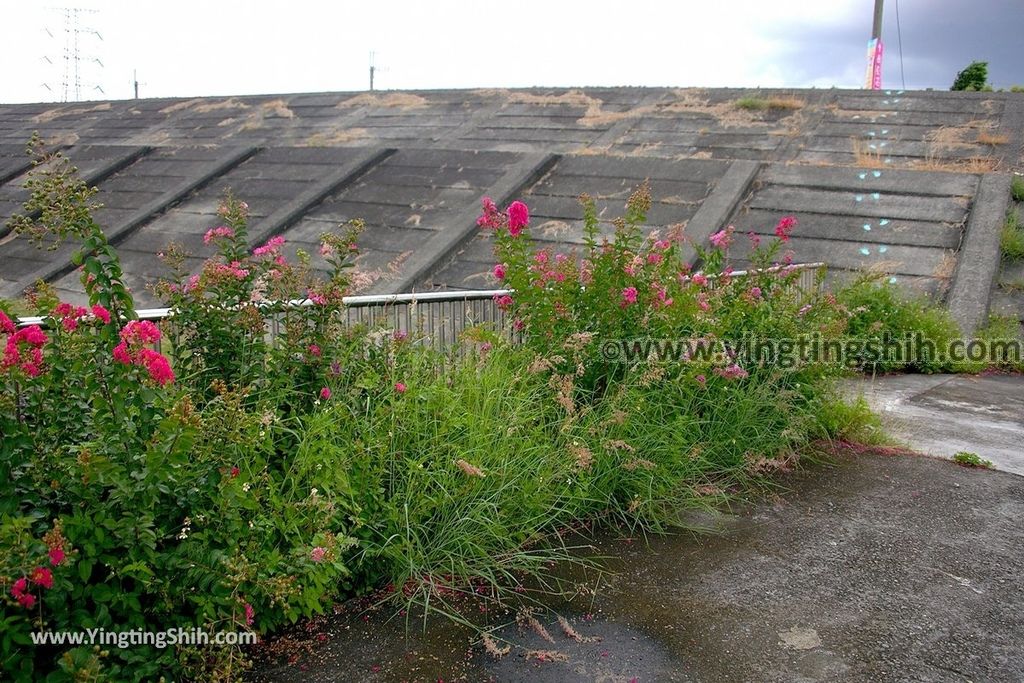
(43, 577)
(784, 227)
(400, 388)
(6, 324)
(101, 313)
(518, 217)
(250, 614)
(19, 587)
(157, 365)
(755, 292)
(317, 554)
(325, 393)
(702, 380)
(56, 556)
(499, 271)
(629, 296)
(314, 350)
(490, 218)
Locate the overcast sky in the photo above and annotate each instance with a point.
(226, 47)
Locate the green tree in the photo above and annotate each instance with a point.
(973, 77)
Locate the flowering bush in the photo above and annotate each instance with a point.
(140, 488)
(637, 286)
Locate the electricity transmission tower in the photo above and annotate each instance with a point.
(75, 35)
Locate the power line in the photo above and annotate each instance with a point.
(899, 38)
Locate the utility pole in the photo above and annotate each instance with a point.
(135, 82)
(873, 73)
(876, 29)
(372, 69)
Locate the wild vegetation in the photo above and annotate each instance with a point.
(201, 474)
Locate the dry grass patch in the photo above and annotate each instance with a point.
(989, 138)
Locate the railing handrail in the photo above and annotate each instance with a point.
(366, 300)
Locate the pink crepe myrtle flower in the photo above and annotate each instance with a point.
(101, 314)
(400, 388)
(503, 301)
(784, 227)
(140, 332)
(317, 554)
(7, 325)
(56, 556)
(19, 587)
(700, 280)
(42, 576)
(27, 600)
(325, 393)
(250, 614)
(490, 218)
(655, 257)
(219, 232)
(518, 217)
(721, 239)
(270, 247)
(499, 271)
(157, 365)
(629, 296)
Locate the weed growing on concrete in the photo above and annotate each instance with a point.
(1017, 188)
(968, 459)
(1011, 239)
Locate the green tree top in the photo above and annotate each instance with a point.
(973, 77)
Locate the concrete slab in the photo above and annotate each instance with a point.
(943, 414)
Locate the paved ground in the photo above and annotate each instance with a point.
(943, 414)
(877, 568)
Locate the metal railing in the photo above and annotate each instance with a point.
(438, 318)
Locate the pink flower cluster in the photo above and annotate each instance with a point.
(41, 576)
(271, 247)
(515, 218)
(133, 351)
(221, 232)
(629, 296)
(30, 359)
(228, 270)
(784, 227)
(317, 554)
(69, 315)
(723, 238)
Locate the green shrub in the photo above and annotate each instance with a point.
(879, 310)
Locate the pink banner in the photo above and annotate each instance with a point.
(873, 74)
